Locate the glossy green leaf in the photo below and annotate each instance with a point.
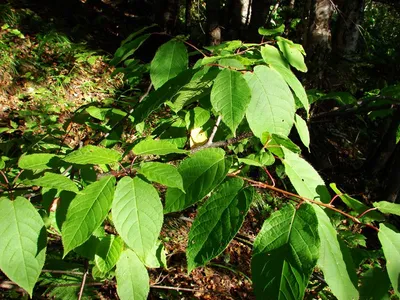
(294, 53)
(162, 173)
(93, 155)
(156, 147)
(56, 181)
(302, 130)
(375, 285)
(86, 212)
(390, 240)
(388, 207)
(128, 49)
(201, 173)
(170, 60)
(108, 252)
(137, 214)
(22, 242)
(217, 222)
(272, 105)
(272, 31)
(285, 253)
(333, 262)
(357, 205)
(230, 96)
(38, 161)
(132, 277)
(305, 178)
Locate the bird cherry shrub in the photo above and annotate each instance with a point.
(199, 128)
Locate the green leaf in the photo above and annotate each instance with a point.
(272, 105)
(201, 173)
(357, 206)
(375, 285)
(39, 161)
(156, 147)
(276, 142)
(22, 242)
(160, 96)
(285, 253)
(332, 260)
(56, 181)
(165, 174)
(196, 117)
(390, 240)
(259, 160)
(230, 96)
(137, 214)
(170, 60)
(304, 178)
(2, 163)
(231, 63)
(86, 212)
(273, 31)
(302, 130)
(128, 49)
(93, 155)
(217, 222)
(293, 53)
(388, 207)
(108, 252)
(156, 257)
(132, 277)
(97, 112)
(273, 57)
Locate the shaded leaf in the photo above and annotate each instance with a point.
(137, 214)
(272, 31)
(22, 242)
(86, 212)
(217, 222)
(375, 285)
(170, 60)
(201, 173)
(285, 253)
(127, 49)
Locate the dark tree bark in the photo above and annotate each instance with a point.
(347, 31)
(213, 22)
(240, 14)
(167, 14)
(393, 185)
(188, 16)
(259, 14)
(318, 47)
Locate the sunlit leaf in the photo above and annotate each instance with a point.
(162, 173)
(86, 212)
(108, 252)
(294, 53)
(93, 155)
(137, 214)
(302, 130)
(22, 242)
(56, 181)
(388, 207)
(156, 147)
(132, 277)
(38, 161)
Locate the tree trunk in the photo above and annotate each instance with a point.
(188, 16)
(318, 46)
(347, 31)
(259, 14)
(167, 14)
(393, 185)
(213, 23)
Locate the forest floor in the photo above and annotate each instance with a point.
(45, 75)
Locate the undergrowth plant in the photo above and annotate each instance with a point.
(206, 120)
